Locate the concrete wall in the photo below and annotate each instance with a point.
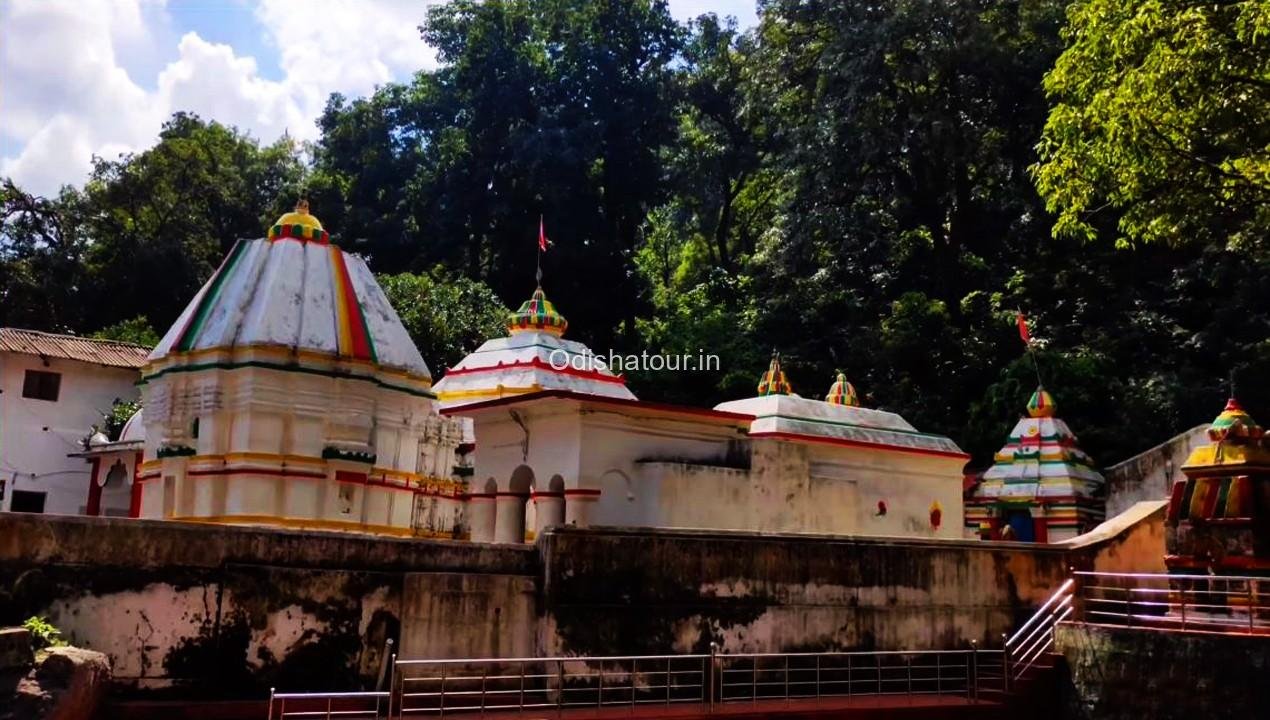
(36, 435)
(232, 610)
(616, 591)
(1149, 475)
(1192, 675)
(1130, 542)
(229, 611)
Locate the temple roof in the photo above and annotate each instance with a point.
(535, 357)
(797, 418)
(1040, 458)
(297, 296)
(1237, 441)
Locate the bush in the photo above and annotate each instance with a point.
(43, 633)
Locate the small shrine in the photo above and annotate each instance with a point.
(1042, 487)
(1219, 515)
(288, 393)
(532, 358)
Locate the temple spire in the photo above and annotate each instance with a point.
(773, 381)
(842, 392)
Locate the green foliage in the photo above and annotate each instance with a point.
(1160, 123)
(137, 331)
(121, 411)
(447, 316)
(146, 230)
(43, 634)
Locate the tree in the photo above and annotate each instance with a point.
(162, 220)
(42, 248)
(137, 331)
(551, 109)
(447, 316)
(1160, 125)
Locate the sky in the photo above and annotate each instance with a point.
(80, 78)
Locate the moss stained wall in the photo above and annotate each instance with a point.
(1192, 675)
(231, 611)
(643, 591)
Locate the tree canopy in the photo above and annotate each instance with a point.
(872, 187)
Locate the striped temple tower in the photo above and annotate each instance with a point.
(1042, 487)
(1219, 514)
(288, 393)
(534, 357)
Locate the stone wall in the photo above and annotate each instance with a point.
(1150, 474)
(616, 591)
(230, 611)
(1192, 675)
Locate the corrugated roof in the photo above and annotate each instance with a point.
(71, 347)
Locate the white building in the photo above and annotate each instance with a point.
(53, 390)
(288, 393)
(561, 440)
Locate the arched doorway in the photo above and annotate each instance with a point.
(509, 525)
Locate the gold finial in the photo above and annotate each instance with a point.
(299, 224)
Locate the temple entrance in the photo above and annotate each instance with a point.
(1021, 525)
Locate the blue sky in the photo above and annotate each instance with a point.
(97, 77)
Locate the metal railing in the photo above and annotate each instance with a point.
(340, 705)
(1194, 603)
(1034, 639)
(566, 685)
(758, 677)
(441, 687)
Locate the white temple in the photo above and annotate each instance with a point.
(289, 393)
(576, 447)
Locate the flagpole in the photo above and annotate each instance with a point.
(538, 271)
(1027, 342)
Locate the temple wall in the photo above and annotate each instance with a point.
(230, 611)
(1150, 475)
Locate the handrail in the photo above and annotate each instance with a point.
(1020, 650)
(436, 688)
(1063, 590)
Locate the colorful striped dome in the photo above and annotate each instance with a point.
(537, 313)
(842, 392)
(1041, 404)
(300, 225)
(1234, 424)
(773, 381)
(292, 301)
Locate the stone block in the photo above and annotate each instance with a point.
(15, 649)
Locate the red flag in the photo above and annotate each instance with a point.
(543, 242)
(1024, 335)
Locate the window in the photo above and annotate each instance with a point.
(27, 501)
(40, 385)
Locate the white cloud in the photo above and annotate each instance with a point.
(66, 95)
(66, 92)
